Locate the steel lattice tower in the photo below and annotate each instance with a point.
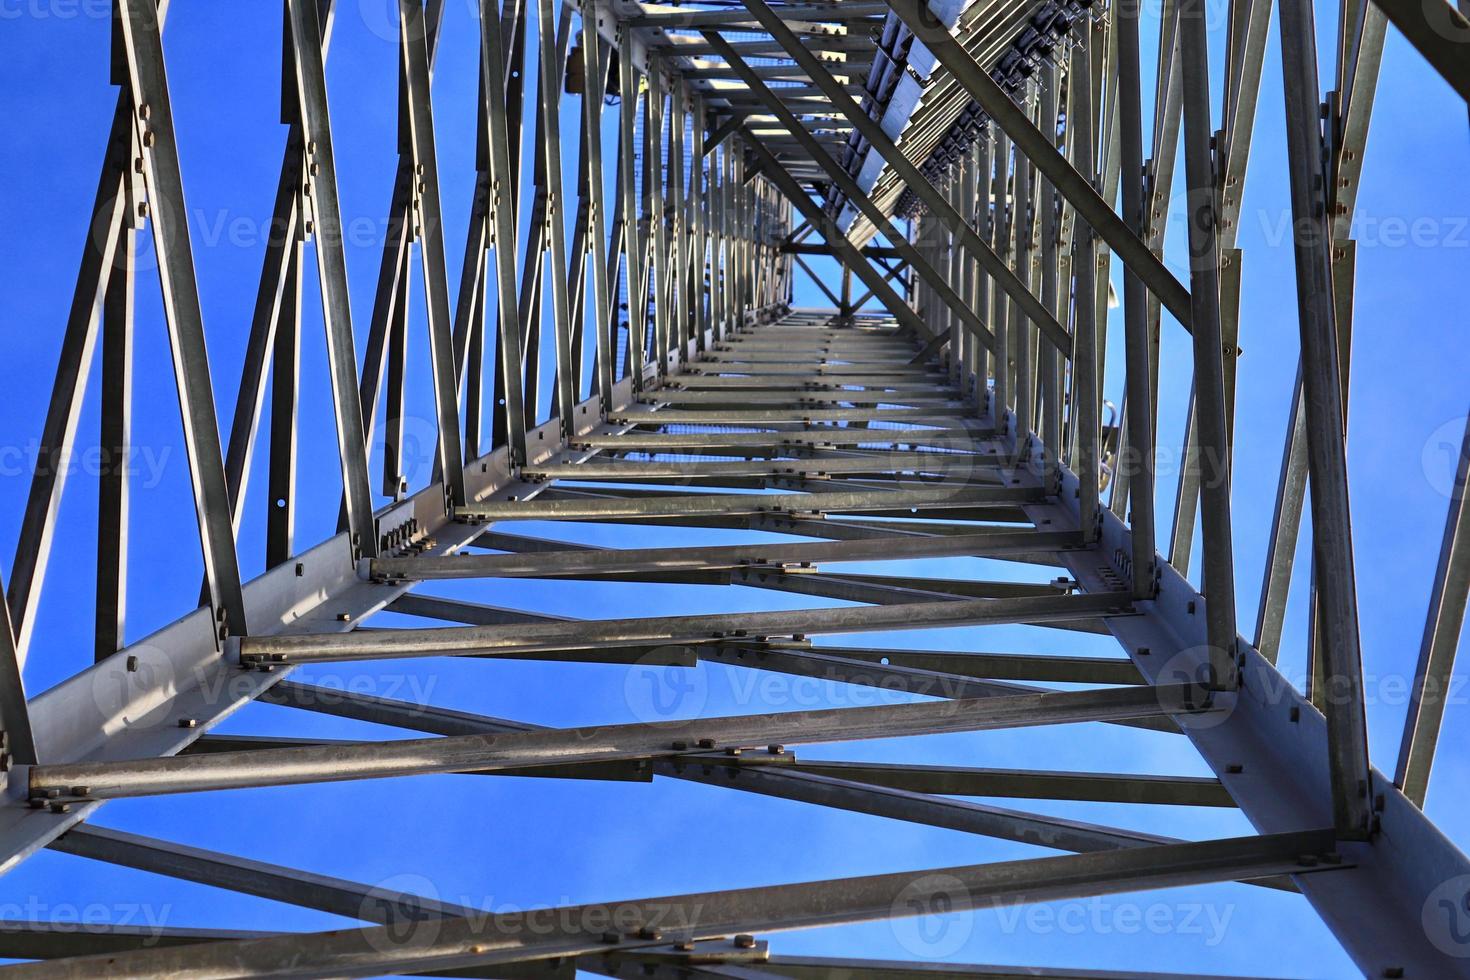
(965, 420)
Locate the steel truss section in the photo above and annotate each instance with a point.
(965, 420)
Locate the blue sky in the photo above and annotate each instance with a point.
(521, 842)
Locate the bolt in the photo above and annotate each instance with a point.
(343, 617)
(188, 722)
(132, 663)
(745, 941)
(59, 807)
